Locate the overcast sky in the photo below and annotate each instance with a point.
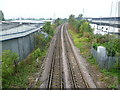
(61, 8)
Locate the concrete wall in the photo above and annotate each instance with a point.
(22, 46)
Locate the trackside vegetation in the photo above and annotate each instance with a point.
(22, 74)
(84, 39)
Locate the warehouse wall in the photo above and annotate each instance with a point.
(22, 46)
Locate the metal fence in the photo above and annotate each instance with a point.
(102, 59)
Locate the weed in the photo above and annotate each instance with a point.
(8, 61)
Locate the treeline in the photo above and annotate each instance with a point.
(80, 26)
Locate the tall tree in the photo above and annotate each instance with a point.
(72, 19)
(58, 21)
(80, 15)
(2, 16)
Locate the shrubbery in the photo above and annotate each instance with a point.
(79, 26)
(41, 41)
(85, 27)
(110, 42)
(58, 21)
(95, 45)
(8, 61)
(48, 29)
(112, 46)
(37, 53)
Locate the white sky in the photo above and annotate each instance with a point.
(61, 8)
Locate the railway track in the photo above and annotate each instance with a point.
(55, 77)
(64, 70)
(77, 79)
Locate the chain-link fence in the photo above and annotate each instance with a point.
(103, 60)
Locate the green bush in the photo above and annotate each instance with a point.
(112, 47)
(85, 27)
(36, 53)
(8, 59)
(80, 26)
(110, 50)
(48, 28)
(95, 45)
(58, 21)
(101, 38)
(116, 45)
(41, 41)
